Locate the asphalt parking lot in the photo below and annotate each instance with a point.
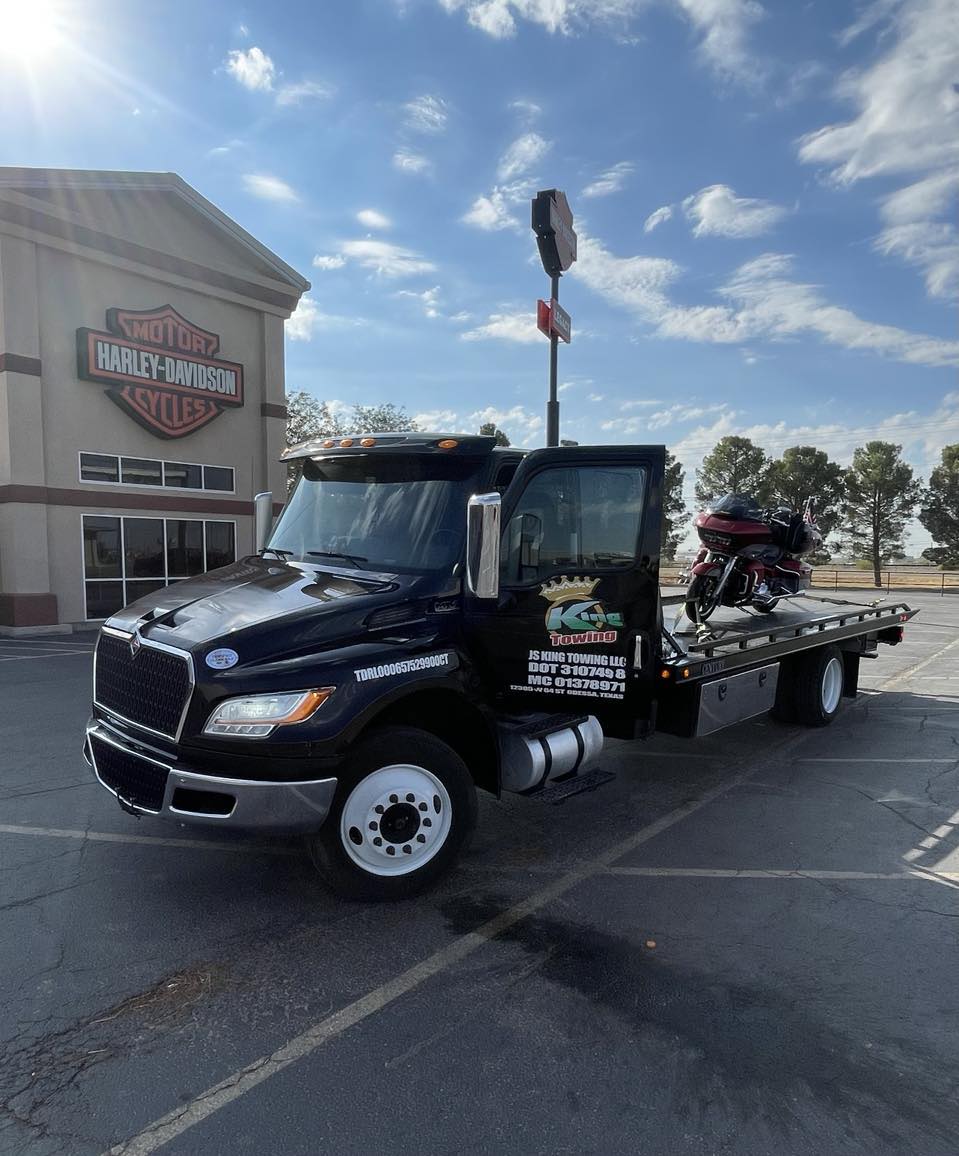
(745, 944)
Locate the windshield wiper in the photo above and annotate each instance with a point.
(278, 553)
(356, 559)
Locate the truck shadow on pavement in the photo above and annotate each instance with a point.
(747, 1053)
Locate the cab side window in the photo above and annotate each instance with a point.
(574, 518)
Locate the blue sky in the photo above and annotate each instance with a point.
(765, 194)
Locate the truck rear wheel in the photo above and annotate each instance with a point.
(817, 681)
(404, 809)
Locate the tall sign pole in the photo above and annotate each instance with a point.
(552, 221)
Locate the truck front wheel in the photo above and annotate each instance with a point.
(404, 808)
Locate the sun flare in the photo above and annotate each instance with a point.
(29, 29)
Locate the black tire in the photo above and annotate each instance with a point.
(353, 873)
(817, 684)
(699, 601)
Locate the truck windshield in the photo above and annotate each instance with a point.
(405, 514)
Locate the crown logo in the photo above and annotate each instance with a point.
(565, 588)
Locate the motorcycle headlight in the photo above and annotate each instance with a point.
(257, 715)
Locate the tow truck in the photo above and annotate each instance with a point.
(431, 616)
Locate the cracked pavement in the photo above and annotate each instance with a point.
(682, 1012)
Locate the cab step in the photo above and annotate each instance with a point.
(558, 793)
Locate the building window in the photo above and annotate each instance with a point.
(127, 558)
(111, 469)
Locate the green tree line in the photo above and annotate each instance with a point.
(863, 508)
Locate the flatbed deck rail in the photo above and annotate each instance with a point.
(734, 647)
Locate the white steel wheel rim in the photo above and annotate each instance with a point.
(831, 685)
(396, 820)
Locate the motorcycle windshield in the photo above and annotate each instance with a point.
(738, 507)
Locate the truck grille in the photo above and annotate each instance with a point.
(135, 780)
(149, 689)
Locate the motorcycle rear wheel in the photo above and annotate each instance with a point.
(700, 598)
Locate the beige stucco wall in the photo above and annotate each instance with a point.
(48, 289)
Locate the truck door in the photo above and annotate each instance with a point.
(576, 627)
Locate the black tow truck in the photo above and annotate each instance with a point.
(432, 615)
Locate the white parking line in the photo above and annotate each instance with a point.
(870, 759)
(151, 840)
(767, 873)
(185, 1116)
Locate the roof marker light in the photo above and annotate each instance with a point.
(346, 443)
(448, 444)
(329, 444)
(367, 442)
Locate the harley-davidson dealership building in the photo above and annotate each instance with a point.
(142, 394)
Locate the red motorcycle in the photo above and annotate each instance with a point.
(750, 556)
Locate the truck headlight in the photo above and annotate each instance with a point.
(257, 715)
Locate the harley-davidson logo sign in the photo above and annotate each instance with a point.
(161, 369)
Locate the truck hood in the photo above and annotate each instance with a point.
(318, 602)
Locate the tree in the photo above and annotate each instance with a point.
(881, 494)
(939, 512)
(733, 466)
(803, 471)
(385, 418)
(308, 418)
(674, 508)
(491, 430)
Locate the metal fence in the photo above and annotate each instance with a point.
(841, 578)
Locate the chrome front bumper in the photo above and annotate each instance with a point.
(205, 800)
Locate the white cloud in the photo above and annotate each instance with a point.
(596, 397)
(386, 259)
(522, 155)
(269, 188)
(609, 181)
(508, 420)
(716, 211)
(722, 26)
(518, 327)
(426, 114)
(373, 219)
(446, 420)
(307, 318)
(765, 304)
(527, 110)
(409, 162)
(251, 68)
(429, 299)
(329, 261)
(657, 217)
(491, 213)
(642, 403)
(906, 123)
(675, 414)
(290, 94)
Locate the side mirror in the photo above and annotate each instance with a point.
(482, 545)
(262, 520)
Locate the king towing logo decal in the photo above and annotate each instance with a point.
(575, 617)
(161, 369)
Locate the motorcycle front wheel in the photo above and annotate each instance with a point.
(701, 598)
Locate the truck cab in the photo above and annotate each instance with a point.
(460, 615)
